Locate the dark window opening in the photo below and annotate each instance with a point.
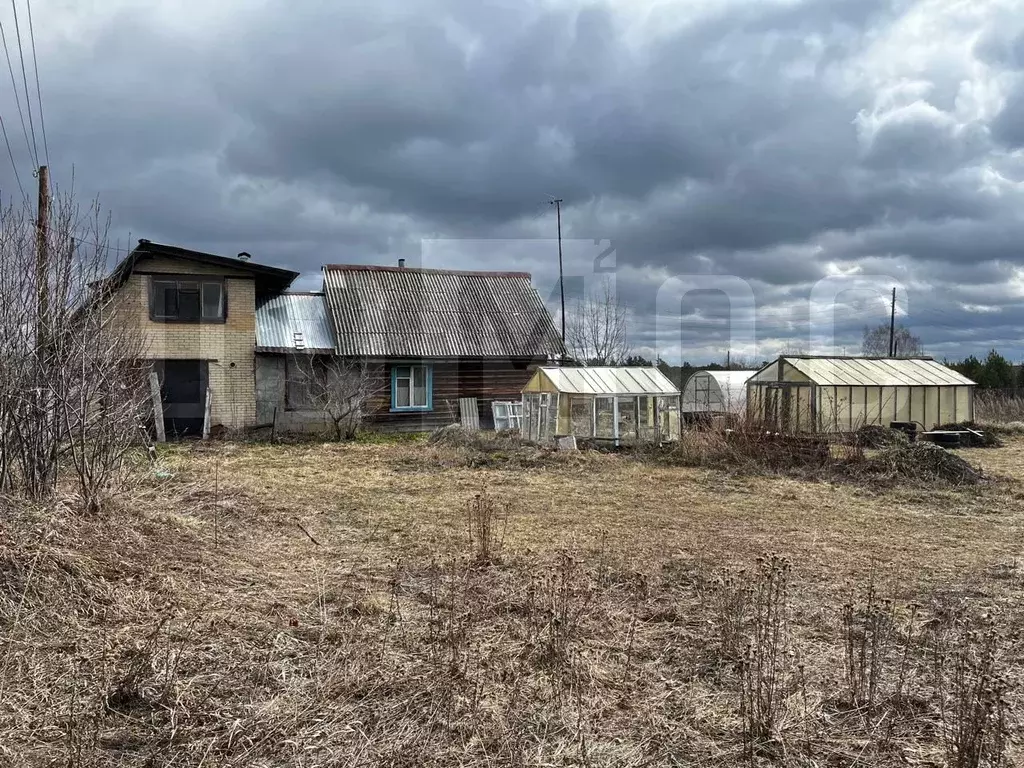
(183, 300)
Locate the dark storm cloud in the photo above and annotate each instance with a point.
(780, 142)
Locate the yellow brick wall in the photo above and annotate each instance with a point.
(228, 347)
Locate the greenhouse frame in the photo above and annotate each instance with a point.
(716, 392)
(841, 394)
(623, 405)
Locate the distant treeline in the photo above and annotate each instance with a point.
(995, 372)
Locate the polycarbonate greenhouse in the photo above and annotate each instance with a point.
(619, 404)
(716, 392)
(841, 394)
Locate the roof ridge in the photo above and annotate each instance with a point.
(423, 270)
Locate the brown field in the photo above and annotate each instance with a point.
(326, 605)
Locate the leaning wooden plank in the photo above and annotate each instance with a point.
(206, 416)
(158, 407)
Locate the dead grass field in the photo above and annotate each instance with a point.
(324, 605)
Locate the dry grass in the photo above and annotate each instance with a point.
(329, 605)
(998, 408)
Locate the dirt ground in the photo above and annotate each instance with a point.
(326, 604)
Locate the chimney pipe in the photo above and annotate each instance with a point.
(401, 263)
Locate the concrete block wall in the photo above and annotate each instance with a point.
(227, 347)
(271, 392)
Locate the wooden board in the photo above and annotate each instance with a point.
(158, 407)
(206, 415)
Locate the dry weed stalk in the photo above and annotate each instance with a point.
(972, 692)
(867, 632)
(487, 520)
(765, 667)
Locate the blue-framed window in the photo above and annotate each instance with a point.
(411, 388)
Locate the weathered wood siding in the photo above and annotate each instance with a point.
(486, 380)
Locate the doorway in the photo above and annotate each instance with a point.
(183, 386)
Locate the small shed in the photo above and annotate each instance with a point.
(840, 394)
(618, 404)
(716, 392)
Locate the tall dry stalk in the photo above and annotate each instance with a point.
(765, 666)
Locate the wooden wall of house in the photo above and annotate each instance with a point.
(486, 380)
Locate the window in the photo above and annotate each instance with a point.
(410, 388)
(187, 300)
(507, 414)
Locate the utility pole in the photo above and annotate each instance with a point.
(561, 279)
(42, 260)
(892, 325)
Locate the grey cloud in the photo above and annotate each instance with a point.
(752, 139)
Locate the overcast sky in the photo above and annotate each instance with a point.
(749, 148)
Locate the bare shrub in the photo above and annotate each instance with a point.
(71, 382)
(486, 525)
(339, 388)
(750, 450)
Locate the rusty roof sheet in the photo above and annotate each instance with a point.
(431, 313)
(294, 322)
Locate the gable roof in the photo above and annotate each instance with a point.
(609, 380)
(294, 322)
(437, 313)
(875, 371)
(268, 279)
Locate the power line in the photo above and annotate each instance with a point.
(14, 86)
(10, 154)
(39, 93)
(24, 79)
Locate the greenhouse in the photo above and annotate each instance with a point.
(842, 394)
(716, 392)
(619, 404)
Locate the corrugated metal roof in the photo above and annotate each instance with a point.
(731, 391)
(429, 313)
(877, 372)
(294, 322)
(610, 381)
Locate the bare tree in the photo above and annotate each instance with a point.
(337, 387)
(596, 328)
(69, 356)
(876, 342)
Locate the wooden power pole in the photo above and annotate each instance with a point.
(561, 279)
(892, 325)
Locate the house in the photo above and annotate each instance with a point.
(197, 315)
(619, 404)
(804, 393)
(227, 335)
(423, 337)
